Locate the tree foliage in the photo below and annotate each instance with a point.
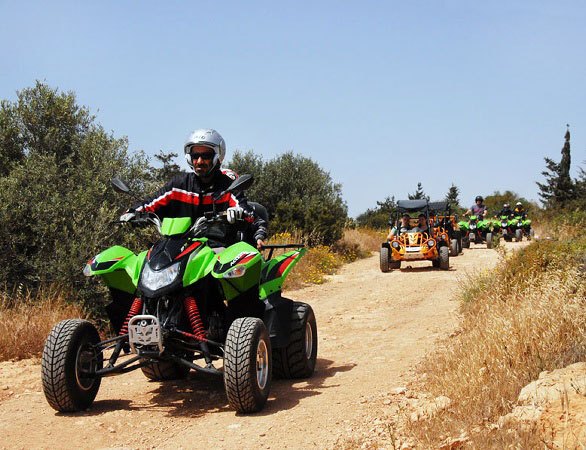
(56, 203)
(378, 218)
(559, 190)
(453, 198)
(297, 193)
(495, 202)
(418, 194)
(168, 170)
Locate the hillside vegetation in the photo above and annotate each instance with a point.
(525, 316)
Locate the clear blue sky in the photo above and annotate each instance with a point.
(382, 94)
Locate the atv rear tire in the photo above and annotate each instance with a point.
(518, 235)
(68, 357)
(454, 247)
(488, 240)
(165, 370)
(247, 365)
(444, 258)
(531, 234)
(297, 359)
(384, 259)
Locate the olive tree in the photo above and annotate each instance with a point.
(297, 193)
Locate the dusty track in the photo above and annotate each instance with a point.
(373, 328)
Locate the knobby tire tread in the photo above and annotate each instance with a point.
(53, 362)
(291, 361)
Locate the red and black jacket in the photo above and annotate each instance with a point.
(186, 196)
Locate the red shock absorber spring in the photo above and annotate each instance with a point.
(134, 310)
(194, 318)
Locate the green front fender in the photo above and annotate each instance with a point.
(118, 267)
(275, 271)
(199, 265)
(238, 269)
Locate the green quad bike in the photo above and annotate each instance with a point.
(521, 226)
(185, 304)
(477, 231)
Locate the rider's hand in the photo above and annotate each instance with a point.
(260, 244)
(234, 213)
(127, 216)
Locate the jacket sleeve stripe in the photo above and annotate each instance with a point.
(186, 197)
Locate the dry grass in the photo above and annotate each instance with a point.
(26, 320)
(359, 243)
(321, 261)
(527, 316)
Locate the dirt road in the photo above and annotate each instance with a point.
(373, 328)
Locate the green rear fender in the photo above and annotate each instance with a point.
(118, 266)
(275, 271)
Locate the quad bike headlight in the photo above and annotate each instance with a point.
(396, 245)
(430, 243)
(235, 272)
(156, 279)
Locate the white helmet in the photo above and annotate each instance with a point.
(209, 138)
(518, 204)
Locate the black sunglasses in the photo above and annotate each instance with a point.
(207, 156)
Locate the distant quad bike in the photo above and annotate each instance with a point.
(477, 231)
(184, 304)
(445, 223)
(415, 245)
(506, 227)
(521, 227)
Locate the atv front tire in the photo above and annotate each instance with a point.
(518, 235)
(297, 359)
(488, 240)
(247, 365)
(68, 362)
(384, 259)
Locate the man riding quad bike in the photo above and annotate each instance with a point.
(520, 223)
(503, 223)
(200, 296)
(476, 229)
(407, 241)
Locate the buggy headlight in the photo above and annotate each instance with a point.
(156, 279)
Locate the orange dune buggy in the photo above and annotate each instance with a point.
(414, 244)
(446, 225)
